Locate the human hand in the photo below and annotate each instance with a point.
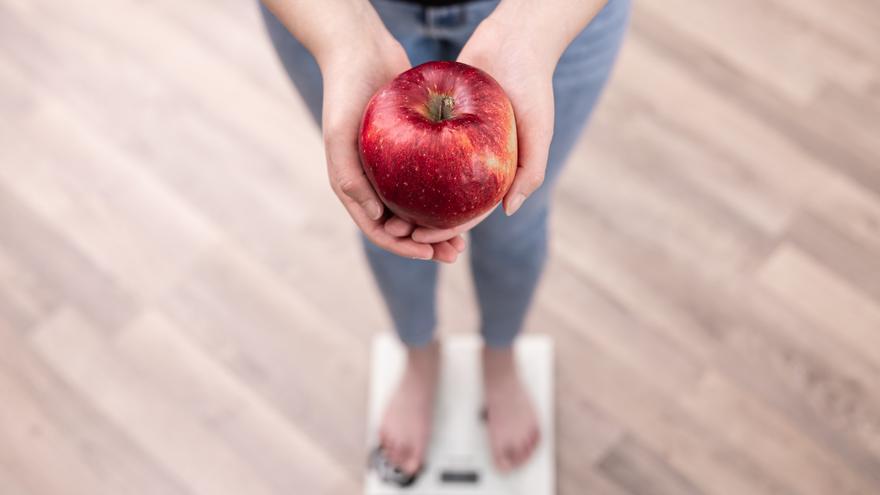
(526, 74)
(527, 77)
(352, 74)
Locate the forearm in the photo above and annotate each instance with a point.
(551, 25)
(328, 27)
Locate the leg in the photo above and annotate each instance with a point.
(508, 253)
(408, 286)
(507, 256)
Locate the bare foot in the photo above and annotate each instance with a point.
(510, 414)
(406, 425)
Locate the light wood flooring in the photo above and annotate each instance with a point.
(184, 307)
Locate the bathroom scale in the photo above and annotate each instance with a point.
(459, 459)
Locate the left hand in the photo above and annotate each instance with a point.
(526, 74)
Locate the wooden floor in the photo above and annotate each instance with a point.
(184, 307)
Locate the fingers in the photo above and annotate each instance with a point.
(399, 227)
(350, 184)
(446, 252)
(347, 176)
(431, 235)
(357, 195)
(401, 246)
(375, 232)
(458, 243)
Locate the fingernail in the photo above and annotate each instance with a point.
(373, 209)
(515, 203)
(462, 248)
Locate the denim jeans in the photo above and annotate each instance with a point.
(507, 253)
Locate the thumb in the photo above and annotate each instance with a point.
(526, 182)
(358, 188)
(348, 179)
(534, 134)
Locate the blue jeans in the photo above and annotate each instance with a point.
(507, 253)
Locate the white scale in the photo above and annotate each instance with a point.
(459, 461)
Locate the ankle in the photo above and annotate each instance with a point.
(498, 358)
(424, 357)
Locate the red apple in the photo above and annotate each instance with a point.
(438, 143)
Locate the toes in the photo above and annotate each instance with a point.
(399, 456)
(502, 463)
(411, 464)
(536, 438)
(527, 447)
(404, 454)
(501, 455)
(385, 443)
(514, 455)
(523, 451)
(391, 452)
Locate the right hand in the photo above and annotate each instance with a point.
(352, 73)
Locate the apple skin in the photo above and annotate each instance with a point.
(438, 144)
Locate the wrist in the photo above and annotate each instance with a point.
(512, 23)
(503, 32)
(362, 32)
(547, 26)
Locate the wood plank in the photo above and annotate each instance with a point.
(642, 471)
(113, 212)
(849, 318)
(33, 445)
(588, 481)
(767, 45)
(771, 439)
(10, 481)
(58, 265)
(789, 132)
(588, 374)
(24, 298)
(274, 446)
(180, 440)
(244, 316)
(725, 319)
(100, 446)
(852, 24)
(830, 243)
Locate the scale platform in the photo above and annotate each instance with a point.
(459, 460)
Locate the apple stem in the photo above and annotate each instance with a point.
(446, 105)
(440, 107)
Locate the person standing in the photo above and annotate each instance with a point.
(553, 58)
